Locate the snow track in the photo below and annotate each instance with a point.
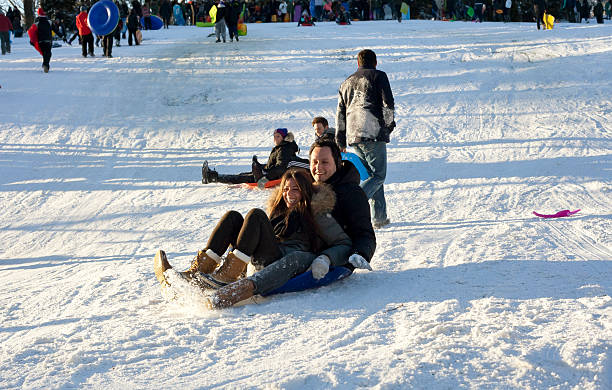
(100, 167)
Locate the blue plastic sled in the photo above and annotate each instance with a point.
(305, 281)
(156, 22)
(103, 17)
(352, 157)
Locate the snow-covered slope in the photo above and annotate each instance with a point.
(100, 167)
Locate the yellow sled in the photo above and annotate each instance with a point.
(549, 21)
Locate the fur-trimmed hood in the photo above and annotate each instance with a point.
(323, 199)
(290, 137)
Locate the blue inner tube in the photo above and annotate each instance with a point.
(103, 17)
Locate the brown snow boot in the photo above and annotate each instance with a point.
(204, 262)
(234, 265)
(160, 265)
(231, 294)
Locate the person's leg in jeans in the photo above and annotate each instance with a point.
(374, 156)
(279, 272)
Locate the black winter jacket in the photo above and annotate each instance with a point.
(221, 11)
(332, 240)
(352, 210)
(280, 156)
(132, 21)
(233, 13)
(44, 29)
(365, 108)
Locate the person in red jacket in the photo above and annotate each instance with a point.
(87, 41)
(5, 38)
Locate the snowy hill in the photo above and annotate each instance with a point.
(100, 167)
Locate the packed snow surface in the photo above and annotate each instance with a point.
(100, 167)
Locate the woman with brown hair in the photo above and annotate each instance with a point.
(298, 221)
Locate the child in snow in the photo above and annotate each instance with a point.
(41, 38)
(306, 19)
(284, 151)
(298, 222)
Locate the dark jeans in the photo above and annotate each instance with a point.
(252, 235)
(233, 30)
(245, 177)
(166, 21)
(278, 273)
(107, 44)
(87, 44)
(45, 47)
(5, 41)
(147, 22)
(539, 16)
(132, 33)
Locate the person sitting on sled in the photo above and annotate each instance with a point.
(298, 222)
(343, 16)
(306, 19)
(284, 151)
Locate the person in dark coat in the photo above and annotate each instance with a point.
(284, 151)
(352, 210)
(585, 11)
(231, 19)
(539, 8)
(43, 29)
(165, 11)
(598, 12)
(132, 25)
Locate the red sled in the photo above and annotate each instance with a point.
(33, 34)
(270, 184)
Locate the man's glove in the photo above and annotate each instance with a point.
(261, 183)
(358, 261)
(320, 267)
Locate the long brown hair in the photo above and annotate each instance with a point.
(303, 180)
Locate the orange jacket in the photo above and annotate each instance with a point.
(81, 22)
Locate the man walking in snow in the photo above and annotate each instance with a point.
(364, 120)
(5, 38)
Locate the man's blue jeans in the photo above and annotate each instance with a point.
(374, 156)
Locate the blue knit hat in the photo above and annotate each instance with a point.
(282, 131)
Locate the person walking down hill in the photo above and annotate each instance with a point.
(165, 12)
(220, 21)
(42, 29)
(132, 25)
(5, 38)
(585, 11)
(598, 11)
(539, 8)
(87, 39)
(231, 17)
(146, 16)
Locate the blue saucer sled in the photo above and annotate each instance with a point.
(305, 281)
(103, 17)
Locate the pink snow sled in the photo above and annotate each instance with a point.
(562, 213)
